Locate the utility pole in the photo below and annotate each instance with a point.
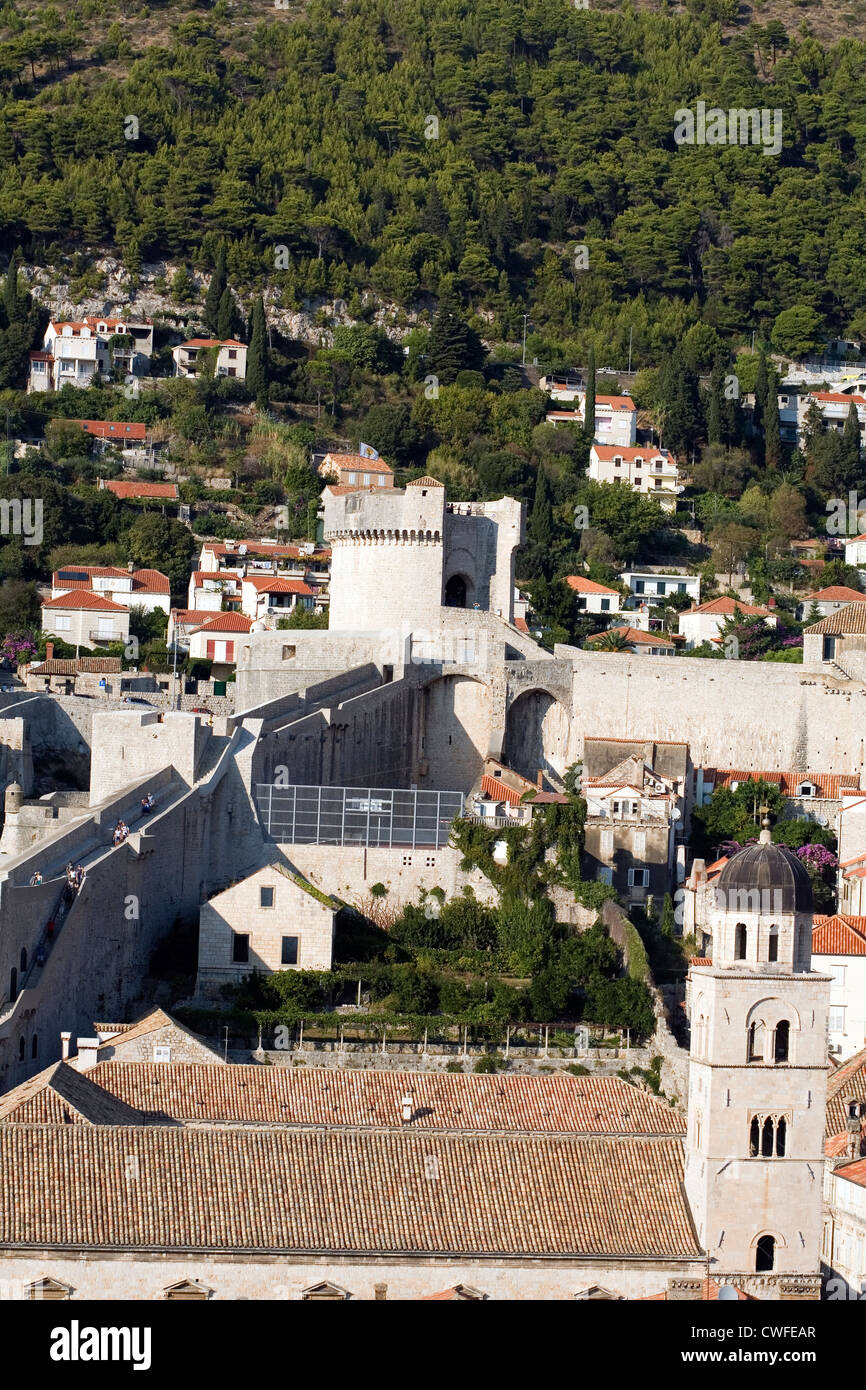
(630, 332)
(523, 359)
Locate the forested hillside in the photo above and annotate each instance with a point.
(555, 127)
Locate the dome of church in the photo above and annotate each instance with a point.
(767, 868)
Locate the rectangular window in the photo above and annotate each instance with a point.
(639, 586)
(604, 876)
(838, 973)
(266, 897)
(638, 878)
(661, 588)
(607, 841)
(106, 627)
(639, 842)
(232, 354)
(605, 605)
(682, 588)
(366, 480)
(289, 954)
(353, 477)
(62, 622)
(836, 1022)
(240, 948)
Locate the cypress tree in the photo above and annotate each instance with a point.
(226, 320)
(258, 366)
(589, 406)
(214, 294)
(715, 404)
(772, 433)
(760, 394)
(851, 440)
(541, 516)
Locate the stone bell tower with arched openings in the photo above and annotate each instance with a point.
(758, 1076)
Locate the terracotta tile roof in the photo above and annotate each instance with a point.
(143, 581)
(150, 1022)
(40, 357)
(357, 463)
(846, 1081)
(853, 1172)
(274, 585)
(588, 586)
(224, 576)
(648, 453)
(836, 593)
(838, 935)
(191, 616)
(700, 960)
(168, 490)
(62, 1095)
(84, 598)
(636, 637)
(836, 398)
(85, 665)
(261, 548)
(521, 624)
(850, 619)
(830, 784)
(500, 791)
(442, 1101)
(728, 606)
(212, 342)
(285, 1190)
(425, 481)
(112, 429)
(226, 622)
(616, 402)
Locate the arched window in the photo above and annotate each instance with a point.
(782, 1041)
(773, 950)
(23, 959)
(740, 941)
(767, 1138)
(754, 1137)
(13, 984)
(34, 1046)
(20, 1049)
(781, 1135)
(765, 1254)
(756, 1042)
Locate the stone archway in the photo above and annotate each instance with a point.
(536, 736)
(456, 732)
(456, 592)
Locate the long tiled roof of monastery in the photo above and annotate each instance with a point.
(318, 1096)
(340, 1191)
(846, 1081)
(61, 1095)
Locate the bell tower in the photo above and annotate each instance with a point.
(758, 1073)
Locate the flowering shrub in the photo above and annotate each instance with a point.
(18, 647)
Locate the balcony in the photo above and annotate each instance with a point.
(105, 637)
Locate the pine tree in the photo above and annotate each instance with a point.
(258, 366)
(541, 517)
(214, 294)
(772, 433)
(452, 346)
(589, 406)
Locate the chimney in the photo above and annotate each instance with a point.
(130, 565)
(771, 603)
(65, 1039)
(407, 1108)
(86, 1053)
(49, 651)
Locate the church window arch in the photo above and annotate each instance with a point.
(782, 1041)
(756, 1041)
(773, 944)
(765, 1254)
(740, 941)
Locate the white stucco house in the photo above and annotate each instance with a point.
(704, 622)
(839, 950)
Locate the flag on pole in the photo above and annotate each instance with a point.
(368, 452)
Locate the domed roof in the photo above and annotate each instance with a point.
(769, 868)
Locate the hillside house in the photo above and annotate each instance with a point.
(650, 586)
(131, 588)
(355, 470)
(85, 618)
(615, 418)
(231, 357)
(640, 643)
(593, 597)
(829, 600)
(141, 492)
(842, 633)
(132, 440)
(217, 640)
(212, 589)
(643, 468)
(263, 597)
(705, 622)
(73, 353)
